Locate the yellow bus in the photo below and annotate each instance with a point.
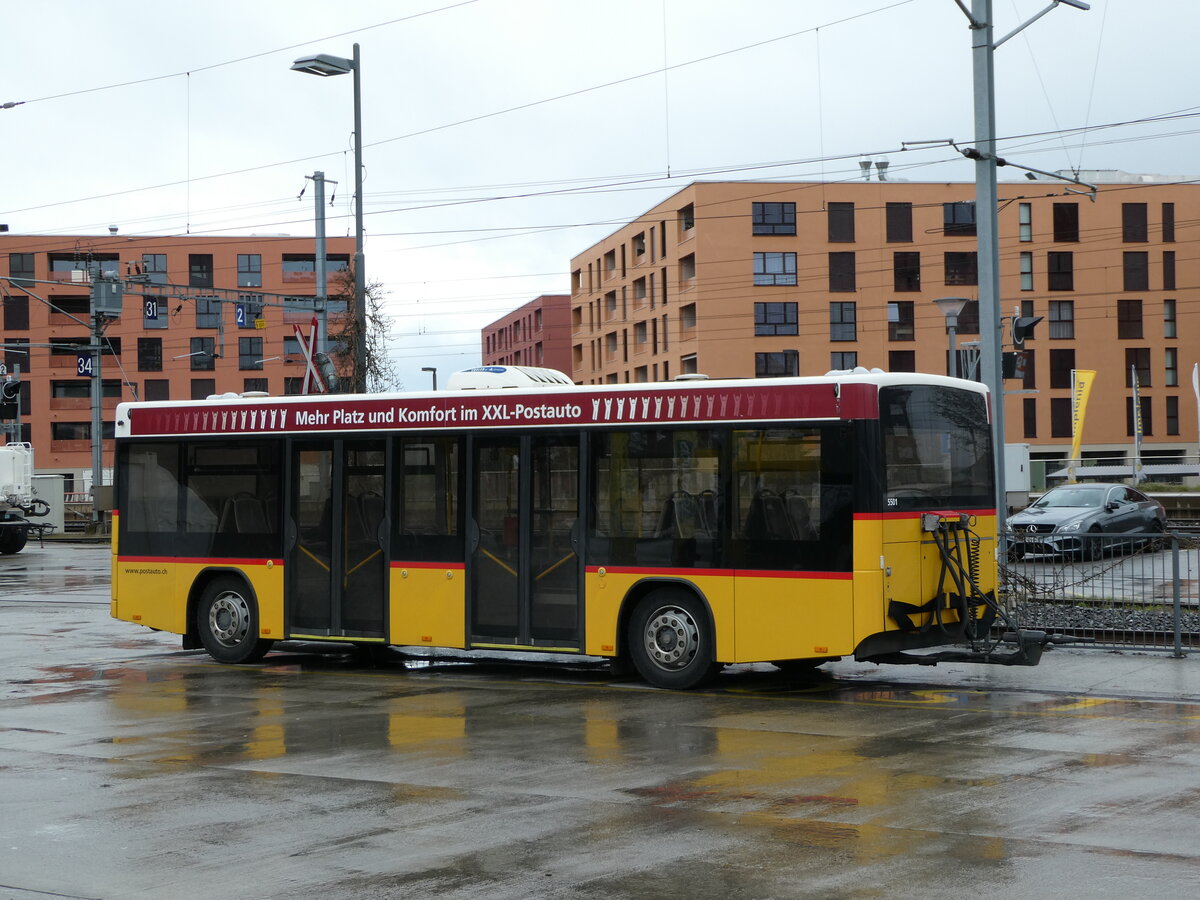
(675, 526)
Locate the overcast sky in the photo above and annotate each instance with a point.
(170, 118)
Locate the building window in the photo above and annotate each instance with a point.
(1062, 319)
(1172, 415)
(1060, 417)
(16, 354)
(149, 355)
(1025, 222)
(962, 268)
(843, 360)
(1029, 380)
(841, 223)
(70, 267)
(203, 354)
(1137, 359)
(1136, 270)
(1169, 319)
(1144, 408)
(968, 319)
(774, 268)
(292, 386)
(639, 244)
(958, 218)
(1062, 363)
(254, 384)
(1026, 270)
(900, 321)
(1134, 229)
(781, 364)
(1129, 319)
(1066, 222)
(899, 222)
(249, 310)
(687, 268)
(16, 312)
(1168, 227)
(687, 217)
(1029, 409)
(641, 333)
(1171, 367)
(156, 389)
(154, 267)
(1060, 270)
(208, 312)
(20, 266)
(843, 321)
(689, 365)
(687, 316)
(249, 269)
(250, 353)
(203, 388)
(1168, 270)
(775, 318)
(842, 276)
(774, 218)
(200, 270)
(902, 361)
(906, 271)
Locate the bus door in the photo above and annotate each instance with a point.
(524, 542)
(337, 539)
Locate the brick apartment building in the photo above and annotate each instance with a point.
(760, 280)
(222, 334)
(536, 334)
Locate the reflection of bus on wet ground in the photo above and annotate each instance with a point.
(676, 526)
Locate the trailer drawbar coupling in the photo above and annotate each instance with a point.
(958, 591)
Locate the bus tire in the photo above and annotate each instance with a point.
(12, 540)
(670, 641)
(227, 621)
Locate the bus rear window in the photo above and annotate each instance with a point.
(937, 448)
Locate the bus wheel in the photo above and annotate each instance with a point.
(670, 641)
(12, 540)
(227, 619)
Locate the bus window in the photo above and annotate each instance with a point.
(656, 496)
(937, 448)
(427, 506)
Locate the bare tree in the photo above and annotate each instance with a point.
(380, 374)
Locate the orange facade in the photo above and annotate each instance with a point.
(758, 279)
(222, 323)
(537, 334)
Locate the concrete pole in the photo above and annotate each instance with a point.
(986, 224)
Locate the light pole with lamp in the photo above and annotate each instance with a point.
(325, 65)
(950, 308)
(432, 370)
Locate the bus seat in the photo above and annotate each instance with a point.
(681, 518)
(767, 518)
(800, 515)
(243, 514)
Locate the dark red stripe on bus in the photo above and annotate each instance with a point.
(200, 561)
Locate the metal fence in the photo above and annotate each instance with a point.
(1114, 591)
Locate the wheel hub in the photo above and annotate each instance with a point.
(672, 638)
(229, 618)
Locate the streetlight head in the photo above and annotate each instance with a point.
(1078, 4)
(323, 64)
(951, 306)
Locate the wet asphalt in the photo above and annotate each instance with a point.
(132, 769)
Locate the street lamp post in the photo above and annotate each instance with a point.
(432, 370)
(325, 65)
(950, 308)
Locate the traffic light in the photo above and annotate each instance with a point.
(10, 399)
(1022, 328)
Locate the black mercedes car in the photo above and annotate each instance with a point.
(1074, 519)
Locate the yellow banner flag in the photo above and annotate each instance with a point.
(1081, 389)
